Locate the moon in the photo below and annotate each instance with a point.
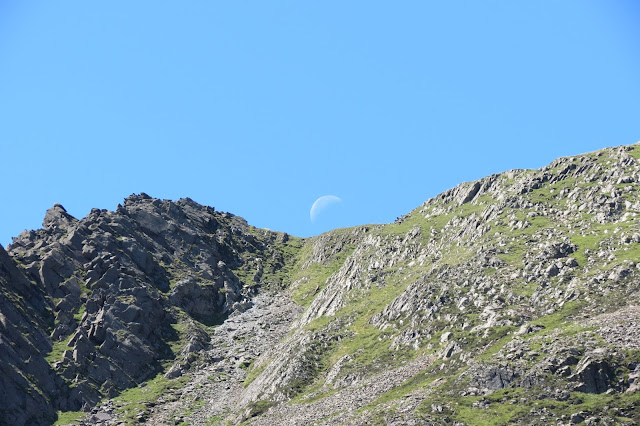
(321, 204)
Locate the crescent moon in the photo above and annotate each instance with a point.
(321, 204)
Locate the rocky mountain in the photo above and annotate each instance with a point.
(512, 299)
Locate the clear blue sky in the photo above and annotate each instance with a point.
(259, 108)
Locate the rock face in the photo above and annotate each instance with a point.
(26, 381)
(513, 298)
(104, 299)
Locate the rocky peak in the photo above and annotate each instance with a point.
(115, 282)
(57, 217)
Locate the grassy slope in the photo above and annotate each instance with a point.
(369, 346)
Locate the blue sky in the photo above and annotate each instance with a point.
(260, 108)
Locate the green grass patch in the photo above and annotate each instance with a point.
(270, 269)
(559, 319)
(517, 239)
(306, 399)
(58, 348)
(500, 336)
(368, 346)
(133, 401)
(259, 407)
(314, 278)
(496, 413)
(254, 372)
(194, 406)
(216, 420)
(277, 270)
(179, 329)
(69, 417)
(416, 219)
(435, 223)
(320, 323)
(457, 255)
(635, 151)
(630, 253)
(591, 241)
(420, 380)
(78, 315)
(478, 205)
(514, 405)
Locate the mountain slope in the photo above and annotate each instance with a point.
(510, 299)
(521, 287)
(123, 292)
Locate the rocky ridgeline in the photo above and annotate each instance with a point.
(512, 299)
(495, 285)
(119, 295)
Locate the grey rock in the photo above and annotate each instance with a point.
(577, 418)
(593, 376)
(57, 217)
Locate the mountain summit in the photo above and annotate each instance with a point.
(512, 299)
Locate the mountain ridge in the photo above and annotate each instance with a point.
(520, 286)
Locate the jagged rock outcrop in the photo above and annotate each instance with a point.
(115, 288)
(27, 384)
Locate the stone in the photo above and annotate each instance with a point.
(593, 376)
(577, 418)
(57, 217)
